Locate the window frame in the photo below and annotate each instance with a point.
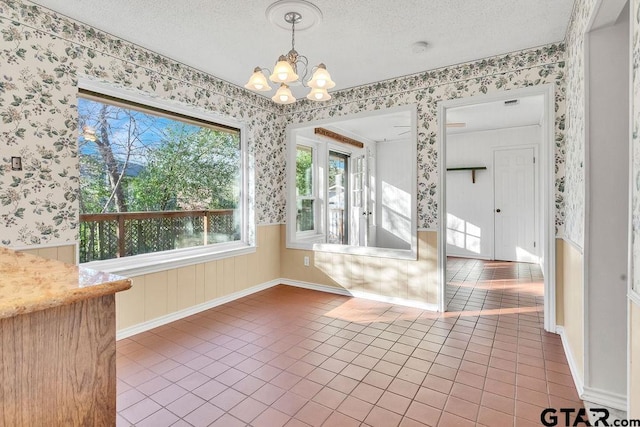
(165, 260)
(315, 176)
(348, 156)
(320, 168)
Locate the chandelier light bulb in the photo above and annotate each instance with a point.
(283, 95)
(89, 133)
(283, 72)
(258, 81)
(318, 94)
(321, 78)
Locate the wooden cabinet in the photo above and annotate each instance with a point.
(57, 343)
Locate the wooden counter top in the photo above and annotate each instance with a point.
(29, 283)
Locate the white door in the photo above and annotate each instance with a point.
(358, 221)
(371, 224)
(514, 207)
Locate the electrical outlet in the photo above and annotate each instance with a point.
(306, 261)
(16, 163)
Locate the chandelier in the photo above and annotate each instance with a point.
(286, 73)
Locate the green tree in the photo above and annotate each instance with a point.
(189, 170)
(304, 174)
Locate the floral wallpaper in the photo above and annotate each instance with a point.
(575, 143)
(515, 70)
(635, 142)
(43, 54)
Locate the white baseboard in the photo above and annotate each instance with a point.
(359, 294)
(590, 394)
(316, 287)
(605, 398)
(453, 253)
(577, 378)
(181, 314)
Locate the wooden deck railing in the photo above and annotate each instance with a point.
(113, 235)
(336, 225)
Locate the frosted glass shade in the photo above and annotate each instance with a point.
(283, 72)
(258, 81)
(317, 94)
(283, 95)
(321, 78)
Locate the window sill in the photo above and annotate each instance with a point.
(306, 242)
(138, 265)
(317, 245)
(634, 296)
(371, 251)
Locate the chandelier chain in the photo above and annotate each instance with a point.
(293, 35)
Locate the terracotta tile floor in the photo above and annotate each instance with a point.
(295, 357)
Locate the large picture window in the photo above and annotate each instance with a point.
(152, 180)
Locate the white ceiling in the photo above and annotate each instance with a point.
(384, 126)
(496, 115)
(359, 41)
(380, 126)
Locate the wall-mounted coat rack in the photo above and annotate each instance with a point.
(473, 170)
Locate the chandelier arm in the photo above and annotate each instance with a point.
(305, 62)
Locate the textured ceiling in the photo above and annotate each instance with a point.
(496, 115)
(377, 127)
(395, 125)
(359, 41)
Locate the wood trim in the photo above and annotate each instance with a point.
(112, 216)
(336, 136)
(122, 103)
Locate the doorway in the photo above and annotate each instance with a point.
(505, 209)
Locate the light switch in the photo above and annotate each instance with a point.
(16, 163)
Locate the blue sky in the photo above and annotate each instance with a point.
(150, 132)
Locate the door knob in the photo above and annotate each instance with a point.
(498, 210)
